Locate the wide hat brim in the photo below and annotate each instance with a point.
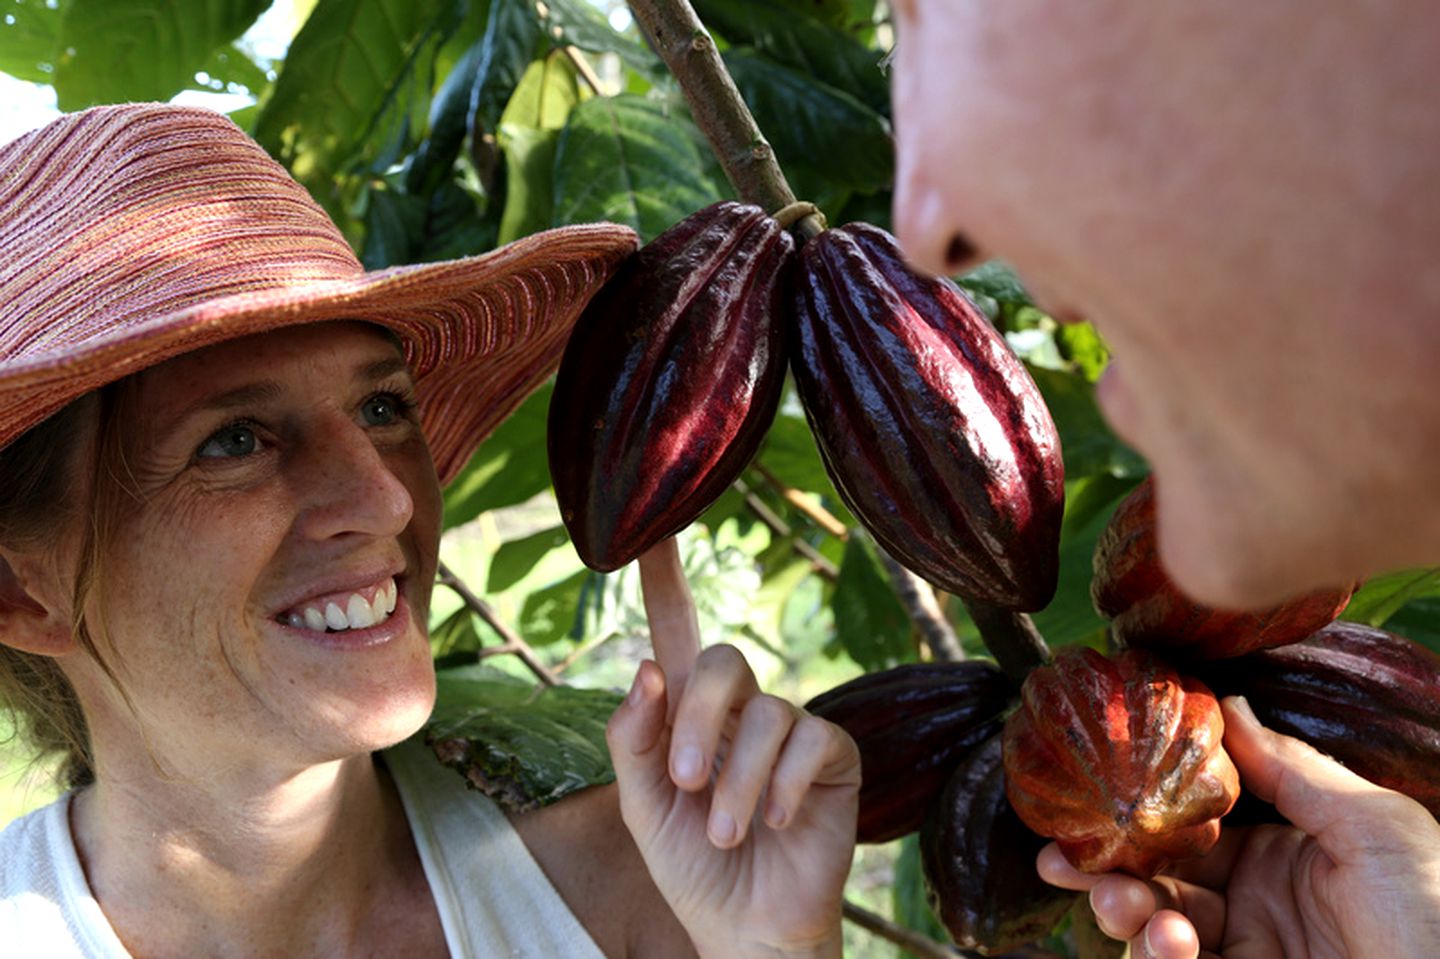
(480, 333)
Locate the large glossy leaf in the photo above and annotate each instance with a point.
(829, 143)
(1382, 597)
(514, 37)
(529, 132)
(508, 468)
(450, 106)
(521, 745)
(578, 23)
(1089, 445)
(30, 39)
(631, 160)
(121, 50)
(356, 77)
(1418, 620)
(816, 48)
(871, 625)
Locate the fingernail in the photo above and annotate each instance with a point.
(722, 828)
(688, 764)
(1147, 950)
(1242, 706)
(775, 815)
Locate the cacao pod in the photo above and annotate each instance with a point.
(1366, 697)
(912, 724)
(1119, 760)
(979, 861)
(669, 381)
(932, 430)
(1146, 610)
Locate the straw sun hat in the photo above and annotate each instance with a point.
(131, 234)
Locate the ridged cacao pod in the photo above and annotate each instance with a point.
(979, 861)
(1366, 697)
(669, 381)
(932, 430)
(1147, 611)
(1119, 760)
(913, 723)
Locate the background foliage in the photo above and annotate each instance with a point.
(432, 129)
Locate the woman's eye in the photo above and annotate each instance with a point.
(231, 441)
(382, 409)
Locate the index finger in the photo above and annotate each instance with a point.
(670, 610)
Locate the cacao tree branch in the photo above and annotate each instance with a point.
(512, 641)
(908, 939)
(1011, 638)
(823, 567)
(813, 511)
(677, 35)
(918, 597)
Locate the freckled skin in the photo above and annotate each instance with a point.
(219, 547)
(1253, 234)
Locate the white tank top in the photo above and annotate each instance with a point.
(493, 899)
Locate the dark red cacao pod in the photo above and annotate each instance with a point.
(913, 723)
(1366, 697)
(978, 860)
(669, 381)
(1119, 760)
(1147, 611)
(933, 431)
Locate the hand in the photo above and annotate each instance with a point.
(1358, 874)
(752, 859)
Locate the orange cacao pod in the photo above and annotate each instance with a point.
(1146, 610)
(1119, 760)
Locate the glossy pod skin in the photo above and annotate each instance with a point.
(979, 861)
(1366, 697)
(932, 430)
(669, 381)
(1119, 760)
(1147, 611)
(913, 724)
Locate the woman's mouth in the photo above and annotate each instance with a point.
(338, 612)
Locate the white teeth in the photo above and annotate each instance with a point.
(314, 619)
(376, 607)
(335, 617)
(296, 620)
(358, 612)
(392, 596)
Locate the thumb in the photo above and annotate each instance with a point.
(639, 742)
(1324, 799)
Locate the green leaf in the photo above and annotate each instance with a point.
(392, 223)
(911, 901)
(354, 82)
(829, 143)
(631, 160)
(579, 24)
(1382, 597)
(230, 65)
(1418, 620)
(818, 49)
(790, 453)
(1089, 445)
(554, 612)
(529, 180)
(450, 107)
(547, 92)
(453, 227)
(521, 745)
(1070, 618)
(517, 558)
(1082, 346)
(513, 38)
(30, 40)
(508, 468)
(871, 625)
(122, 50)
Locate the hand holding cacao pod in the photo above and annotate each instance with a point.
(669, 382)
(932, 430)
(1147, 610)
(1119, 759)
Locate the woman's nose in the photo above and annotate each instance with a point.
(348, 485)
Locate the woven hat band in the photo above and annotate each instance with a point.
(121, 215)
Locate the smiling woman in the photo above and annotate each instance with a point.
(222, 445)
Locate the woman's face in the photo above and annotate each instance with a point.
(1241, 197)
(267, 593)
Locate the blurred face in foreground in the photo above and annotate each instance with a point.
(1243, 198)
(267, 591)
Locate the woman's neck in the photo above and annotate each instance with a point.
(316, 861)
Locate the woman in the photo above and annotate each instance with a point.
(223, 446)
(1241, 196)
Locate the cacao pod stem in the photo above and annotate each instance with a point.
(1010, 637)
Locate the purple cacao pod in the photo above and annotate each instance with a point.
(933, 431)
(669, 382)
